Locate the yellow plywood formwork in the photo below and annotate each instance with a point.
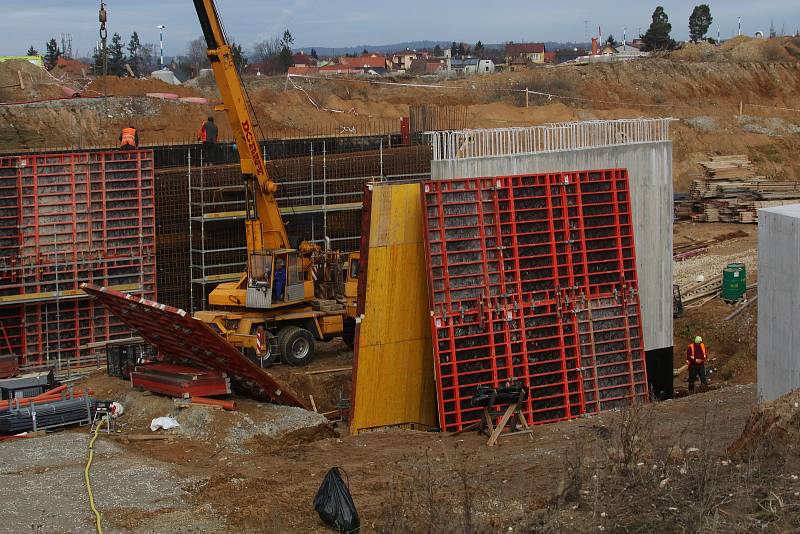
(394, 372)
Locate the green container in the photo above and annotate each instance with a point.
(734, 282)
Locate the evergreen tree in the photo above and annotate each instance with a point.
(97, 60)
(365, 52)
(135, 53)
(437, 51)
(657, 35)
(478, 49)
(453, 49)
(611, 41)
(116, 56)
(32, 51)
(52, 54)
(314, 53)
(239, 58)
(699, 22)
(285, 55)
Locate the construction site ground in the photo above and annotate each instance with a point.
(711, 461)
(662, 467)
(705, 461)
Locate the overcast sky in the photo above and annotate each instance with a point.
(339, 23)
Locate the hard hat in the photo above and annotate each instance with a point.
(698, 339)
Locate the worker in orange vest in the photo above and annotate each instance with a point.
(696, 356)
(208, 136)
(129, 138)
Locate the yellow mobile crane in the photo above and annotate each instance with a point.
(268, 312)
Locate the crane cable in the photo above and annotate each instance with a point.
(97, 515)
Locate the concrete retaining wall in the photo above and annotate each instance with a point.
(778, 301)
(649, 167)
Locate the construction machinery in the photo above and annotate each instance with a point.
(289, 297)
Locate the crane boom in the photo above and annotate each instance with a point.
(265, 228)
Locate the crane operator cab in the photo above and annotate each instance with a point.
(275, 279)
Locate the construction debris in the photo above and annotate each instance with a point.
(730, 191)
(9, 365)
(180, 380)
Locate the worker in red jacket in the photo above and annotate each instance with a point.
(696, 356)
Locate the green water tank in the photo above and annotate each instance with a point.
(734, 282)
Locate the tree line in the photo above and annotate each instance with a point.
(657, 36)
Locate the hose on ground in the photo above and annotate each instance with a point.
(97, 516)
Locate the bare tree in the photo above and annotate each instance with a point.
(266, 50)
(196, 55)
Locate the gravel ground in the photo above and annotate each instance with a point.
(283, 419)
(711, 264)
(42, 488)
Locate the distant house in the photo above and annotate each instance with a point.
(301, 59)
(525, 53)
(339, 68)
(422, 66)
(303, 69)
(368, 61)
(472, 65)
(570, 54)
(550, 58)
(402, 60)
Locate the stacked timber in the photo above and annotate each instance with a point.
(730, 191)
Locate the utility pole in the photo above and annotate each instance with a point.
(104, 35)
(740, 25)
(161, 29)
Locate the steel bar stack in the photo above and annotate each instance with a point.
(533, 280)
(180, 380)
(730, 191)
(53, 414)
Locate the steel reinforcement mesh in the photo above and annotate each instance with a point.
(66, 219)
(533, 278)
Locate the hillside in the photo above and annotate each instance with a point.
(704, 94)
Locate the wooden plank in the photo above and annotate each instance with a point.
(324, 371)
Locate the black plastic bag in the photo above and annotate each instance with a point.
(334, 504)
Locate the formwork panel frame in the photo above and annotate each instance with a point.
(532, 278)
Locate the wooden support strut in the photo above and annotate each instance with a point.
(487, 427)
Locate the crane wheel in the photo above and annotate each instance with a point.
(297, 345)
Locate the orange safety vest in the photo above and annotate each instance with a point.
(693, 359)
(201, 135)
(128, 137)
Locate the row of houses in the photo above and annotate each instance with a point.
(516, 55)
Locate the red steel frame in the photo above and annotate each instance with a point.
(66, 219)
(533, 278)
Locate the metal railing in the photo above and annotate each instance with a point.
(547, 138)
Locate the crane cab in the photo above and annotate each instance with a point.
(275, 278)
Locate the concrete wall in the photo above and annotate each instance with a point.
(649, 168)
(778, 300)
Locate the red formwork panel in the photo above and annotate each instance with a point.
(181, 338)
(66, 219)
(533, 278)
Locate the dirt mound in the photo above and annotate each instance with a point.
(112, 85)
(742, 49)
(773, 429)
(38, 84)
(70, 67)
